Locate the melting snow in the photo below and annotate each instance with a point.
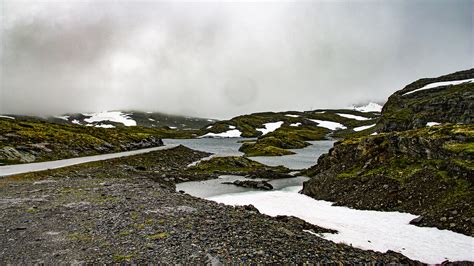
(118, 117)
(290, 115)
(4, 116)
(363, 127)
(295, 124)
(430, 124)
(270, 127)
(356, 117)
(64, 117)
(105, 126)
(328, 124)
(439, 84)
(379, 231)
(234, 133)
(371, 107)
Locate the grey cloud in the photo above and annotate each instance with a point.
(223, 59)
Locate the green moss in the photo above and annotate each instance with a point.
(162, 235)
(467, 148)
(121, 258)
(231, 164)
(62, 141)
(353, 172)
(125, 233)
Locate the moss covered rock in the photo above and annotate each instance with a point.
(426, 171)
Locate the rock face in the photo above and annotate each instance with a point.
(410, 109)
(427, 171)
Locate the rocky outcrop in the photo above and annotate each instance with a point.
(261, 185)
(25, 141)
(429, 172)
(410, 109)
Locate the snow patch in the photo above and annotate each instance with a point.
(5, 116)
(75, 121)
(64, 117)
(209, 127)
(234, 133)
(374, 134)
(430, 124)
(439, 84)
(172, 127)
(105, 126)
(270, 127)
(151, 119)
(363, 127)
(371, 230)
(290, 115)
(356, 117)
(114, 116)
(370, 107)
(328, 124)
(295, 124)
(231, 127)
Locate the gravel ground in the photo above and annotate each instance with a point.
(127, 210)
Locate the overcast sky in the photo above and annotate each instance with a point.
(219, 60)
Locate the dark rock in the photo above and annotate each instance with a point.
(417, 220)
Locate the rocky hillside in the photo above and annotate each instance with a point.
(278, 132)
(448, 98)
(427, 171)
(25, 141)
(113, 119)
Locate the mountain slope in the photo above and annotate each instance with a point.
(448, 98)
(109, 119)
(428, 170)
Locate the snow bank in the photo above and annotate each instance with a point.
(234, 133)
(290, 115)
(64, 117)
(295, 124)
(118, 117)
(328, 124)
(356, 117)
(439, 84)
(4, 116)
(430, 124)
(105, 126)
(363, 127)
(370, 107)
(379, 231)
(270, 127)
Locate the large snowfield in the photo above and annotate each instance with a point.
(374, 230)
(328, 124)
(356, 117)
(233, 133)
(270, 127)
(113, 116)
(439, 84)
